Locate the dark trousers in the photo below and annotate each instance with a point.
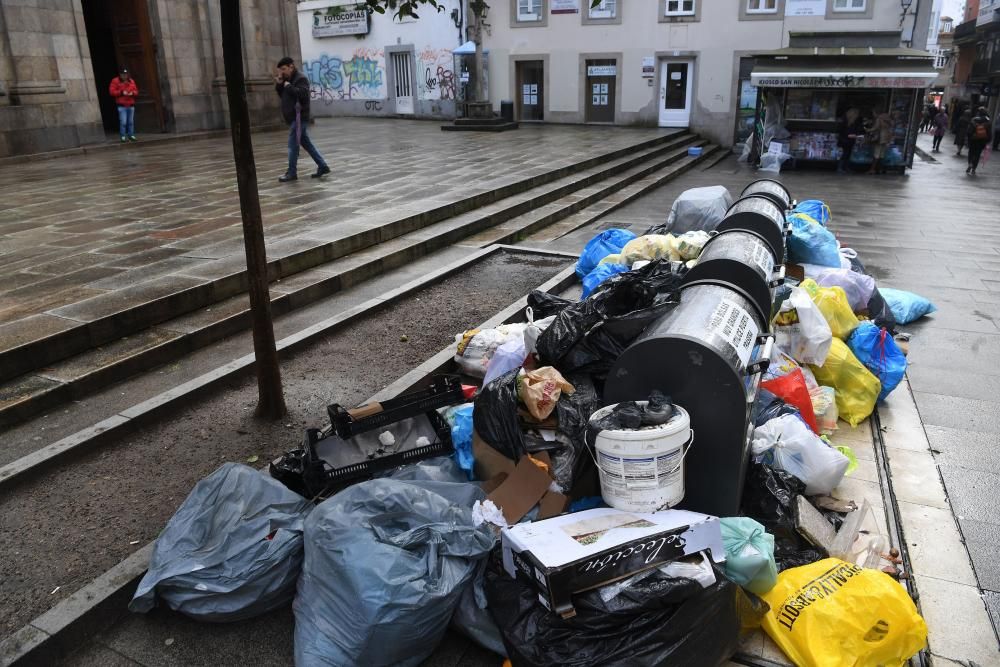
(975, 152)
(937, 142)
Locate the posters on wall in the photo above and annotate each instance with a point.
(805, 7)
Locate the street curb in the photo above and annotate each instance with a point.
(136, 415)
(99, 604)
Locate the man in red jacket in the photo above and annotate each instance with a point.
(124, 90)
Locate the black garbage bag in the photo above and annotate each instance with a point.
(590, 335)
(573, 467)
(658, 620)
(544, 304)
(494, 416)
(769, 498)
(768, 407)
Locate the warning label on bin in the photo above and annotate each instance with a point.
(758, 254)
(737, 326)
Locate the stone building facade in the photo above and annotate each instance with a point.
(57, 58)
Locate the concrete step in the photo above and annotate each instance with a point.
(40, 340)
(48, 387)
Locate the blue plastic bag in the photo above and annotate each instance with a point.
(811, 242)
(749, 554)
(600, 273)
(906, 307)
(815, 209)
(608, 242)
(876, 349)
(461, 438)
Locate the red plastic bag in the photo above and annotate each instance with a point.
(792, 389)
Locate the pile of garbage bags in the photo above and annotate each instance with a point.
(378, 571)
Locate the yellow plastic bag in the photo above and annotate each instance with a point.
(836, 308)
(836, 614)
(857, 389)
(650, 247)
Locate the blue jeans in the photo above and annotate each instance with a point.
(295, 139)
(126, 121)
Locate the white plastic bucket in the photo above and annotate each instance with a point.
(642, 470)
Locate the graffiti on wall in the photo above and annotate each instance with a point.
(358, 77)
(436, 75)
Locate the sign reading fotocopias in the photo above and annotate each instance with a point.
(340, 20)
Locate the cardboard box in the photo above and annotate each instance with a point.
(577, 552)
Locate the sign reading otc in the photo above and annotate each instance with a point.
(340, 20)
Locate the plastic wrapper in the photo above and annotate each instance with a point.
(769, 498)
(811, 242)
(386, 563)
(540, 390)
(832, 613)
(833, 303)
(590, 335)
(906, 306)
(697, 209)
(494, 416)
(801, 329)
(749, 554)
(857, 389)
(658, 620)
(877, 350)
(787, 444)
(608, 242)
(232, 551)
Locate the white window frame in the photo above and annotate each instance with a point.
(530, 17)
(602, 11)
(680, 11)
(761, 7)
(848, 6)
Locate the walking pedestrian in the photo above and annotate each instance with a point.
(962, 130)
(880, 134)
(292, 87)
(850, 129)
(940, 127)
(980, 131)
(124, 90)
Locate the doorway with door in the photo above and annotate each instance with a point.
(530, 78)
(599, 97)
(676, 86)
(119, 34)
(402, 79)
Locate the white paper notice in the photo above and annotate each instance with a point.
(734, 324)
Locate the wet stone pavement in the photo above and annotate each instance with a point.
(77, 228)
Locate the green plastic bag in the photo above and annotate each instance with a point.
(749, 554)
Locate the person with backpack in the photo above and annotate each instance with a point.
(980, 132)
(292, 87)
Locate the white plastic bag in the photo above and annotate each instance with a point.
(804, 334)
(800, 452)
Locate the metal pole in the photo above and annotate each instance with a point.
(271, 403)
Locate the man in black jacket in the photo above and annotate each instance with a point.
(292, 87)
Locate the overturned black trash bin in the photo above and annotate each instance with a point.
(707, 354)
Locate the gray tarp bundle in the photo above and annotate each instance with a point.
(696, 209)
(386, 562)
(233, 550)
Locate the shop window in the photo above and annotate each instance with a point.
(679, 8)
(762, 6)
(850, 5)
(606, 9)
